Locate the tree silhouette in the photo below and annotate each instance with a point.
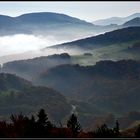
(137, 132)
(103, 132)
(42, 117)
(4, 129)
(31, 128)
(117, 128)
(19, 124)
(74, 125)
(44, 125)
(24, 127)
(33, 119)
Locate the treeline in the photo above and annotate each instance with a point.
(24, 127)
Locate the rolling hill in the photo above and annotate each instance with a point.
(107, 46)
(95, 91)
(45, 23)
(30, 68)
(61, 26)
(49, 18)
(114, 37)
(108, 85)
(18, 95)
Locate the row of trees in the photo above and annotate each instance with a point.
(24, 127)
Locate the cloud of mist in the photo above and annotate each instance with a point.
(20, 43)
(38, 53)
(23, 46)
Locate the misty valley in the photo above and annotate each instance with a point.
(69, 66)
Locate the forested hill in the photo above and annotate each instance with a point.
(18, 95)
(114, 37)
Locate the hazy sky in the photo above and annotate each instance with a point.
(87, 10)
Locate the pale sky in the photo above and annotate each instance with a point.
(86, 10)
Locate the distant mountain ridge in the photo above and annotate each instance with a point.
(116, 20)
(40, 23)
(41, 18)
(48, 17)
(49, 22)
(43, 23)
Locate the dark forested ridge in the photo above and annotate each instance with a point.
(98, 85)
(17, 94)
(30, 68)
(108, 38)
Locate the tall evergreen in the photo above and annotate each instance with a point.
(42, 117)
(74, 125)
(44, 125)
(117, 128)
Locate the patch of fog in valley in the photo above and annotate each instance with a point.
(23, 46)
(20, 43)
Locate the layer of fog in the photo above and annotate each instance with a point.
(22, 46)
(21, 43)
(38, 53)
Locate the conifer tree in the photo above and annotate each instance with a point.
(74, 125)
(116, 128)
(42, 117)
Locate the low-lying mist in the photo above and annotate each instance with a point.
(20, 43)
(23, 46)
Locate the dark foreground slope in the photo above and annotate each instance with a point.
(18, 95)
(110, 86)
